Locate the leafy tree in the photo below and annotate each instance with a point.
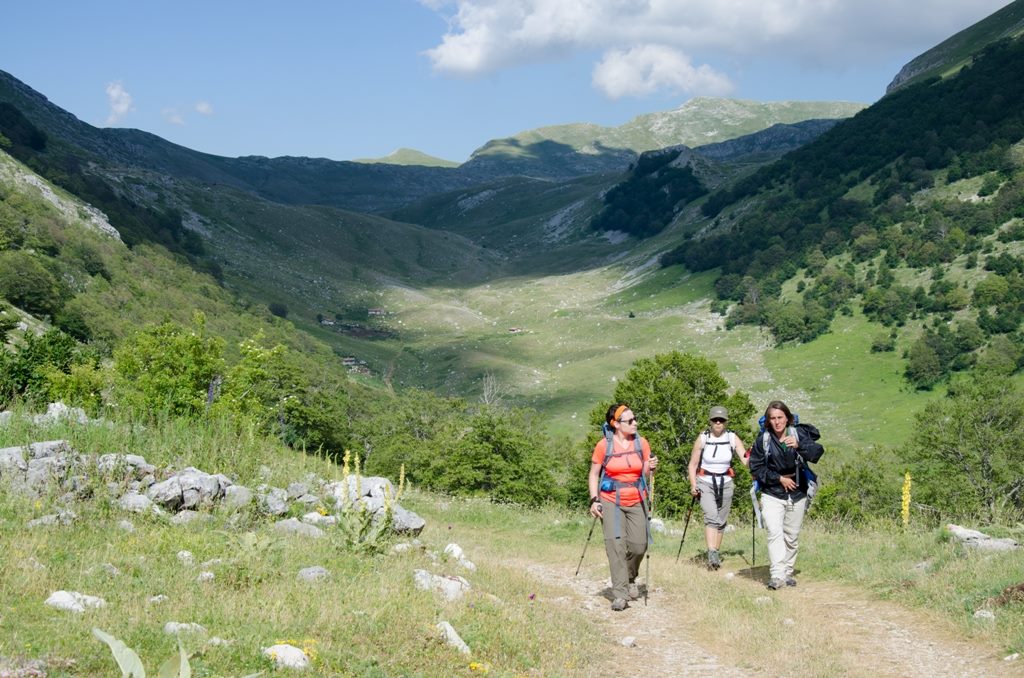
(964, 454)
(23, 372)
(28, 285)
(167, 369)
(503, 455)
(923, 367)
(866, 489)
(8, 321)
(670, 395)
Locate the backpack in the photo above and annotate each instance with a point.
(609, 485)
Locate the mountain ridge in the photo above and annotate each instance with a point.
(956, 51)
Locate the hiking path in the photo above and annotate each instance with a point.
(839, 629)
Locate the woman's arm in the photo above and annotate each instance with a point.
(739, 449)
(698, 447)
(592, 483)
(759, 465)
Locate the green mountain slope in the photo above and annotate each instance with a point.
(410, 156)
(950, 55)
(593, 148)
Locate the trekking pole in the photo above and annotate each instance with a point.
(650, 516)
(686, 526)
(755, 517)
(585, 544)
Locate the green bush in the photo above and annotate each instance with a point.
(28, 285)
(167, 369)
(24, 371)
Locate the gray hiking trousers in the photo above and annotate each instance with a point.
(714, 516)
(626, 552)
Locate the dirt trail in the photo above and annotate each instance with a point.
(864, 636)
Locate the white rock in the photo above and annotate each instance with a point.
(219, 642)
(314, 518)
(467, 565)
(174, 628)
(628, 641)
(74, 601)
(295, 526)
(186, 558)
(451, 636)
(454, 551)
(979, 540)
(157, 599)
(657, 525)
(287, 656)
(126, 526)
(205, 577)
(987, 615)
(1012, 657)
(451, 588)
(313, 573)
(762, 600)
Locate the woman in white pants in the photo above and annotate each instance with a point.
(776, 462)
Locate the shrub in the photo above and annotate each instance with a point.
(26, 284)
(167, 369)
(23, 372)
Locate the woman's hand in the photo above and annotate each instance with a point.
(789, 441)
(694, 491)
(595, 509)
(652, 463)
(788, 484)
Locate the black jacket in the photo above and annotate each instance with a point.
(767, 466)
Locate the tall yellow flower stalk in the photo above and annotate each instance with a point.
(906, 500)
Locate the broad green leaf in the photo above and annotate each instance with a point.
(177, 666)
(127, 660)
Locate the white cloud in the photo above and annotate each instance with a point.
(120, 102)
(173, 116)
(647, 69)
(204, 108)
(489, 35)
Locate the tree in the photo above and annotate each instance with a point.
(924, 369)
(26, 284)
(964, 455)
(670, 395)
(167, 369)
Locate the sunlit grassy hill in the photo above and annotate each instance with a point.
(950, 55)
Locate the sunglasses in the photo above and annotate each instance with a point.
(628, 421)
(717, 420)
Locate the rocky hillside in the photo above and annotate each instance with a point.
(950, 55)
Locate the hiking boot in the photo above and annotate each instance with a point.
(633, 590)
(790, 581)
(714, 560)
(776, 584)
(619, 604)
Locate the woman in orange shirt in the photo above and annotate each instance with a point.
(619, 482)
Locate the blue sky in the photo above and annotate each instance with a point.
(360, 78)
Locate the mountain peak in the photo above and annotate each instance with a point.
(409, 156)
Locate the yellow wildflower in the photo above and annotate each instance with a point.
(906, 499)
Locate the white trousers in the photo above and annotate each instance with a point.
(782, 521)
